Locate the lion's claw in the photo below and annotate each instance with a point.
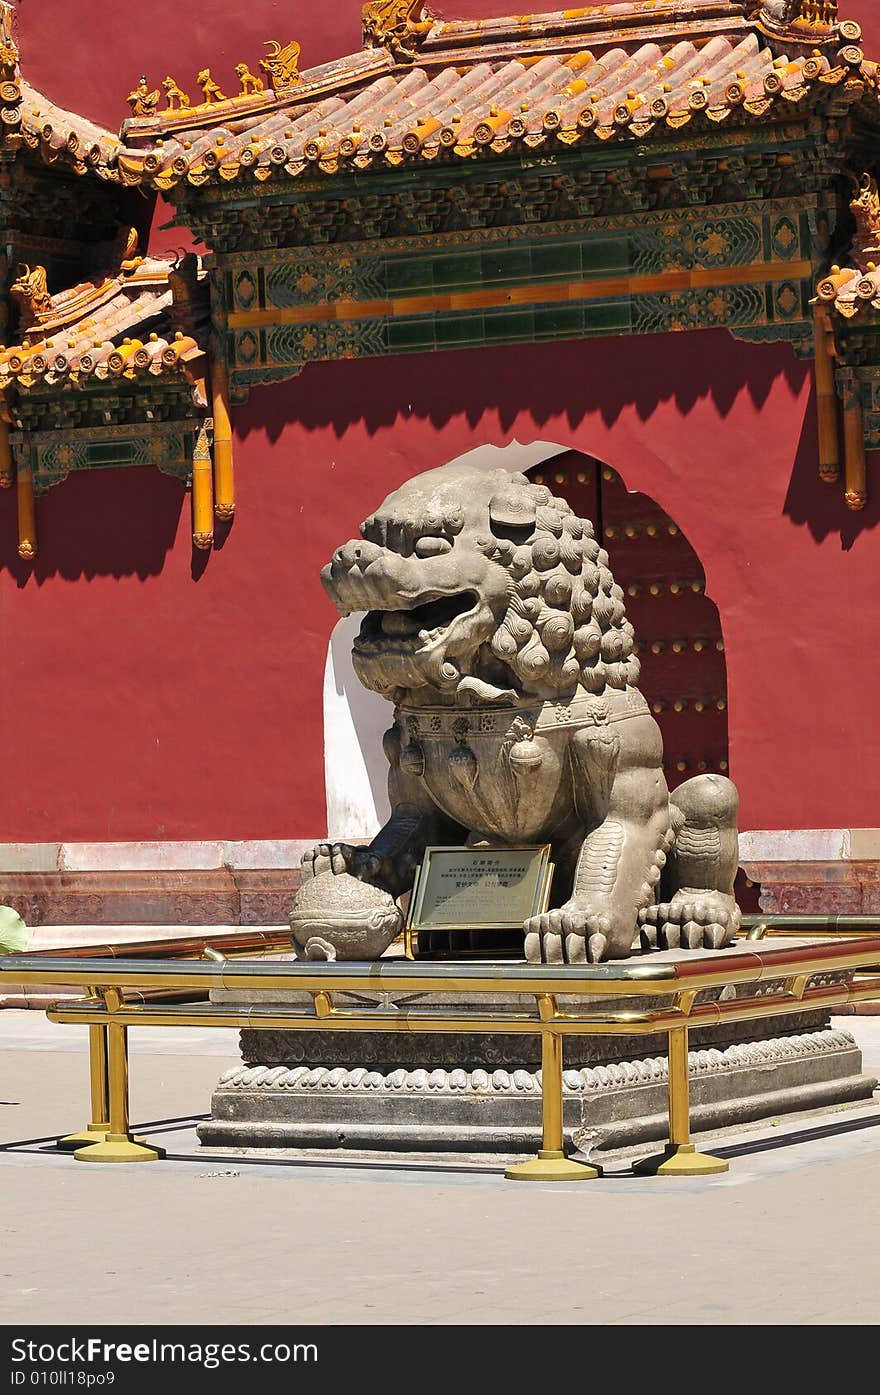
(575, 949)
(553, 948)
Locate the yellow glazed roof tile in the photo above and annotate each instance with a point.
(468, 89)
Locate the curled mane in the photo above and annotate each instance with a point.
(565, 622)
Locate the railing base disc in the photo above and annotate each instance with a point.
(72, 1141)
(680, 1160)
(115, 1149)
(551, 1167)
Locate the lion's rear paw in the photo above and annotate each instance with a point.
(693, 919)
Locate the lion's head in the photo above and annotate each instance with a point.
(481, 587)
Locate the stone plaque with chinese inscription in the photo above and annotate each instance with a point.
(480, 888)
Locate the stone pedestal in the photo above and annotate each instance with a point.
(419, 1092)
(814, 871)
(176, 884)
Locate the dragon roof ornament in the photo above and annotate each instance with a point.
(30, 292)
(804, 21)
(8, 49)
(398, 25)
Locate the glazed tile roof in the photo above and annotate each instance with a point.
(477, 88)
(29, 119)
(59, 135)
(142, 322)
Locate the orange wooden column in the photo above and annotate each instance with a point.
(7, 464)
(827, 408)
(854, 447)
(27, 520)
(203, 489)
(224, 471)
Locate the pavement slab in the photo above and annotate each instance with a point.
(216, 1236)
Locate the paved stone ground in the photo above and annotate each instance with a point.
(789, 1235)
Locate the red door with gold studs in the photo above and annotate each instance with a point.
(677, 626)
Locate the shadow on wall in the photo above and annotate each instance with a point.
(124, 522)
(820, 506)
(114, 522)
(551, 380)
(554, 382)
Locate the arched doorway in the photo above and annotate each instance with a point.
(677, 626)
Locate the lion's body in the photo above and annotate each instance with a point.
(523, 784)
(494, 624)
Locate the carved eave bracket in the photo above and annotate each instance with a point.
(847, 344)
(865, 208)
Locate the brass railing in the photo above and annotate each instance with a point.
(235, 942)
(228, 945)
(134, 993)
(759, 927)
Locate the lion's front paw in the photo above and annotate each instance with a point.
(574, 934)
(693, 919)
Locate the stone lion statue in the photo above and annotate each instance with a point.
(494, 625)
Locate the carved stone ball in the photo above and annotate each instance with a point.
(339, 917)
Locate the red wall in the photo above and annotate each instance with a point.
(151, 694)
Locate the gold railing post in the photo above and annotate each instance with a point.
(27, 518)
(96, 1130)
(203, 490)
(551, 1164)
(552, 1139)
(224, 469)
(99, 1079)
(679, 1089)
(827, 407)
(118, 1144)
(679, 1158)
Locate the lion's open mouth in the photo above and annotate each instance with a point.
(424, 623)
